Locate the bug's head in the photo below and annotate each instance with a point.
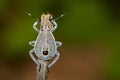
(46, 21)
(46, 16)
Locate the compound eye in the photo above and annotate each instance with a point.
(45, 52)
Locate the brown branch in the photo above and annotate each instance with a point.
(41, 73)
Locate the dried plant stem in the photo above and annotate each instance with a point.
(41, 73)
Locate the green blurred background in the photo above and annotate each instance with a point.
(89, 32)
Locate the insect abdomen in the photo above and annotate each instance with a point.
(45, 38)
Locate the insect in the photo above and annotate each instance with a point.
(45, 46)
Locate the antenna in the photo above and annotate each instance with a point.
(30, 14)
(60, 16)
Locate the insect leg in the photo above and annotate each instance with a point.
(57, 57)
(32, 43)
(33, 58)
(35, 26)
(58, 43)
(55, 25)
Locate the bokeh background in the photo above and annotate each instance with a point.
(90, 33)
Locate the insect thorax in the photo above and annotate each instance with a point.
(46, 22)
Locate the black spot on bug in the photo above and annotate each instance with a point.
(45, 52)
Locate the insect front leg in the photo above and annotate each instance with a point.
(55, 25)
(55, 60)
(32, 43)
(35, 26)
(58, 43)
(33, 58)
